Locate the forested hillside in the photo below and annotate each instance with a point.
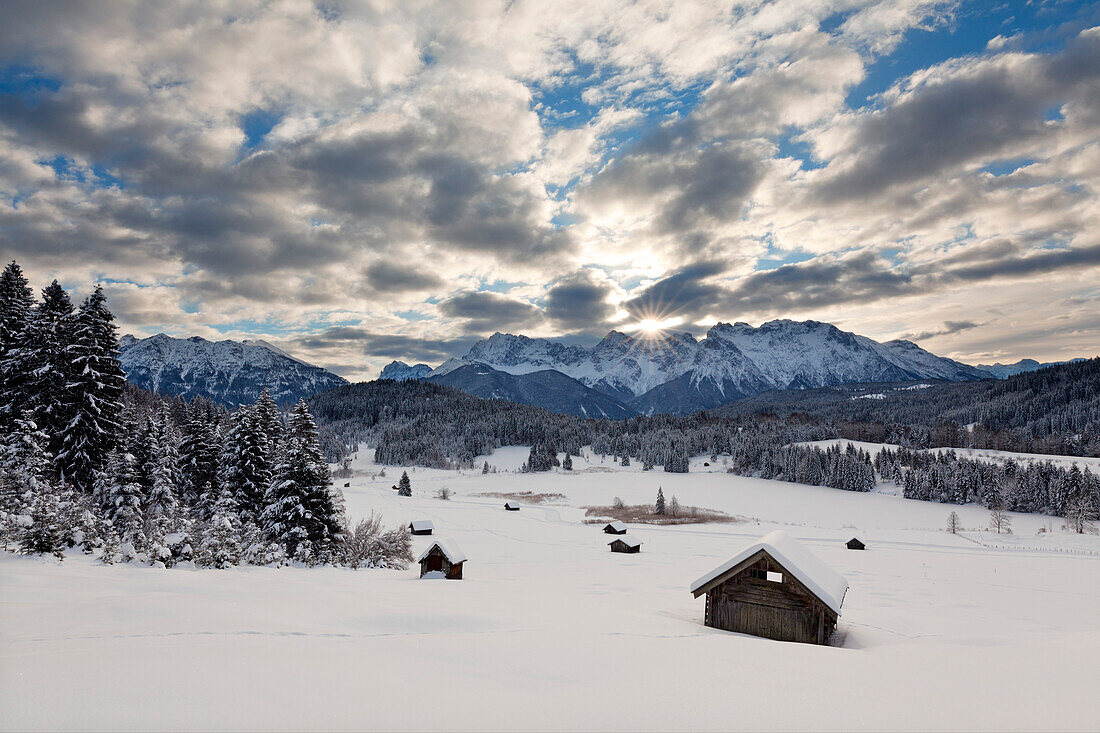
(1053, 410)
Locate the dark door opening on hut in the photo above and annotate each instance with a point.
(433, 563)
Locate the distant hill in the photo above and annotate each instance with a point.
(547, 388)
(1003, 371)
(1055, 409)
(226, 372)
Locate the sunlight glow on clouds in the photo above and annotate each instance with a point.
(363, 181)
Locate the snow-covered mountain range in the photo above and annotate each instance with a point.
(229, 372)
(677, 373)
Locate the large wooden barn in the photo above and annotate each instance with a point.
(774, 588)
(443, 559)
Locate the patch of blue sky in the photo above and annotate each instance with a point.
(257, 124)
(412, 315)
(27, 82)
(775, 257)
(1045, 27)
(560, 103)
(66, 168)
(497, 286)
(789, 146)
(1005, 167)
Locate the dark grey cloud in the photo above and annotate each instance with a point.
(579, 302)
(685, 293)
(693, 183)
(384, 345)
(484, 312)
(972, 113)
(948, 328)
(385, 276)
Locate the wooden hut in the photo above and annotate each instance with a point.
(421, 526)
(855, 544)
(626, 543)
(443, 559)
(616, 527)
(511, 506)
(774, 588)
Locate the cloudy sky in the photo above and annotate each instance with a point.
(365, 181)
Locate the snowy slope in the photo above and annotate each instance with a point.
(678, 373)
(551, 631)
(228, 372)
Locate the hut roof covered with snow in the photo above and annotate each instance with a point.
(421, 525)
(627, 540)
(449, 548)
(616, 527)
(820, 579)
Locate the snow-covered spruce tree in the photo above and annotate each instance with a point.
(300, 514)
(626, 460)
(659, 507)
(162, 507)
(221, 536)
(199, 463)
(270, 420)
(485, 468)
(93, 394)
(16, 307)
(39, 362)
(567, 463)
(119, 494)
(404, 485)
(245, 464)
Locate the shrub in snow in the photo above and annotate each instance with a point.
(369, 545)
(444, 493)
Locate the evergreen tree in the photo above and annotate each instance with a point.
(659, 508)
(625, 463)
(300, 514)
(246, 467)
(45, 534)
(39, 362)
(567, 463)
(119, 494)
(404, 486)
(16, 307)
(198, 462)
(485, 468)
(221, 539)
(269, 420)
(953, 523)
(93, 394)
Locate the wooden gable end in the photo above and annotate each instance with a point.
(747, 582)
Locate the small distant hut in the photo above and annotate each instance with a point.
(616, 527)
(774, 588)
(444, 559)
(421, 526)
(511, 506)
(626, 543)
(855, 544)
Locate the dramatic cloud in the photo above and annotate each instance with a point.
(368, 181)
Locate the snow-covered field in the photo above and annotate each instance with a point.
(550, 631)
